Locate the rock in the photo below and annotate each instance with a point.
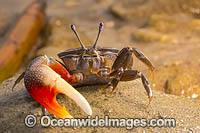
(161, 21)
(71, 3)
(131, 102)
(195, 26)
(143, 9)
(150, 35)
(179, 78)
(110, 24)
(179, 23)
(166, 24)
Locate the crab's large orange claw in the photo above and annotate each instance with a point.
(43, 83)
(61, 70)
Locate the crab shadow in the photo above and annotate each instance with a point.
(95, 90)
(89, 88)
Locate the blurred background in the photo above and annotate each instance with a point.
(165, 31)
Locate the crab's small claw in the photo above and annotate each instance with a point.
(44, 83)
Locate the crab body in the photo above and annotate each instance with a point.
(93, 69)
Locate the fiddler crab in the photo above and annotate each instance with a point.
(45, 77)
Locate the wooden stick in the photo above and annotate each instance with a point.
(21, 38)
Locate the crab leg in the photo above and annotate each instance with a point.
(43, 84)
(116, 78)
(129, 75)
(121, 70)
(145, 60)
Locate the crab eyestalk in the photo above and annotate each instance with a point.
(43, 83)
(75, 32)
(98, 35)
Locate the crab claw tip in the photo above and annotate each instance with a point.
(69, 91)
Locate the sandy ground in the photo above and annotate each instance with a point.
(168, 35)
(130, 101)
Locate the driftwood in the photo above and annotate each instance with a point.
(22, 36)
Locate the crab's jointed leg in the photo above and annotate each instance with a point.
(129, 75)
(21, 76)
(121, 69)
(44, 78)
(115, 80)
(144, 59)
